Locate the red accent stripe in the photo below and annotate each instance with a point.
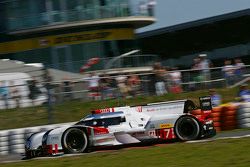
(56, 149)
(99, 131)
(50, 149)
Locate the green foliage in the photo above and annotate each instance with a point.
(220, 153)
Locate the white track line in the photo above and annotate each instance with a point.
(220, 138)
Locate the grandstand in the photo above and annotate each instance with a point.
(220, 37)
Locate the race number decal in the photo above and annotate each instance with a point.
(163, 133)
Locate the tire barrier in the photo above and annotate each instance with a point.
(243, 115)
(229, 116)
(12, 141)
(216, 117)
(225, 116)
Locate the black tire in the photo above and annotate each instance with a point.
(187, 128)
(74, 141)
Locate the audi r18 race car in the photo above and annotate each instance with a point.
(125, 125)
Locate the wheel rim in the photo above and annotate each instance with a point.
(187, 129)
(75, 141)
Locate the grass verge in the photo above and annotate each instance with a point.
(220, 153)
(75, 110)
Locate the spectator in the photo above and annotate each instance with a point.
(228, 71)
(215, 98)
(4, 92)
(160, 72)
(106, 87)
(205, 65)
(93, 85)
(175, 77)
(34, 90)
(122, 86)
(196, 63)
(143, 9)
(197, 78)
(151, 7)
(133, 84)
(239, 66)
(244, 93)
(67, 87)
(14, 93)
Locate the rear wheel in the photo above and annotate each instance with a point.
(187, 128)
(74, 141)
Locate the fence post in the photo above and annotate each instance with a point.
(48, 85)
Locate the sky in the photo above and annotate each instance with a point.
(172, 12)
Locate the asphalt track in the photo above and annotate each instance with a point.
(223, 135)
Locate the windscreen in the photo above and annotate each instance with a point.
(103, 122)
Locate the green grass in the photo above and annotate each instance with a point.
(220, 153)
(75, 110)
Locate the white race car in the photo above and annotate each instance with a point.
(125, 125)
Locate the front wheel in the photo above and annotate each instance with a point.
(187, 128)
(74, 141)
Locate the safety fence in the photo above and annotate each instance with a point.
(22, 91)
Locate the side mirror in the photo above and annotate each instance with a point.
(123, 119)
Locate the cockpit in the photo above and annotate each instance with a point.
(103, 120)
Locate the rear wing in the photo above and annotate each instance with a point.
(205, 103)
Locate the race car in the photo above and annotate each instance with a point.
(125, 125)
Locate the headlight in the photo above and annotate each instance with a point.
(44, 139)
(28, 144)
(209, 122)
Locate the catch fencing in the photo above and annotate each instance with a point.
(75, 87)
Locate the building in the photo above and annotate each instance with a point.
(65, 34)
(221, 37)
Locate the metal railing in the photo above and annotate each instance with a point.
(66, 89)
(66, 16)
(124, 62)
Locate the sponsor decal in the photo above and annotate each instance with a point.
(81, 37)
(54, 138)
(44, 42)
(66, 39)
(100, 131)
(139, 109)
(152, 133)
(164, 126)
(163, 108)
(105, 110)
